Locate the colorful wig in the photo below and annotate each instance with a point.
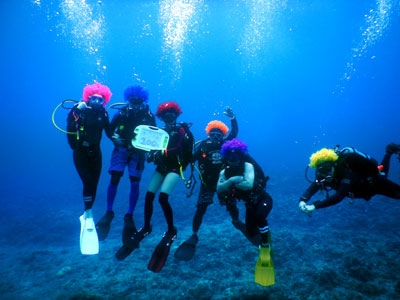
(136, 91)
(97, 88)
(321, 156)
(166, 107)
(233, 145)
(218, 125)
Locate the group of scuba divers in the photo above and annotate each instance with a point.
(224, 167)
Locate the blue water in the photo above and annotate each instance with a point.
(299, 75)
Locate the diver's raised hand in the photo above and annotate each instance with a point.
(229, 112)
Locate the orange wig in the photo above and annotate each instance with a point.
(217, 124)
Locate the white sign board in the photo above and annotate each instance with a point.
(150, 138)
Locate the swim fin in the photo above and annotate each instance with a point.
(103, 226)
(89, 241)
(160, 255)
(264, 273)
(128, 240)
(187, 249)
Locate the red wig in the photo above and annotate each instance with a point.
(168, 106)
(217, 124)
(96, 88)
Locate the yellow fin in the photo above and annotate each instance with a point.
(264, 273)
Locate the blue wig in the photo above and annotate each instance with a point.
(136, 91)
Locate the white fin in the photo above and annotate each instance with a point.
(89, 242)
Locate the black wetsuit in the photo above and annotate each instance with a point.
(258, 202)
(354, 177)
(171, 160)
(124, 124)
(89, 125)
(208, 156)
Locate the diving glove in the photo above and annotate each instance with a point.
(302, 206)
(309, 209)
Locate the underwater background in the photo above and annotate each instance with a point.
(299, 75)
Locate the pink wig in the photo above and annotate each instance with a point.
(97, 88)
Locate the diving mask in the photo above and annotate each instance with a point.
(324, 172)
(234, 157)
(216, 135)
(136, 104)
(169, 117)
(96, 101)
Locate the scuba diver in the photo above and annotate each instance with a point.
(208, 155)
(350, 173)
(123, 124)
(391, 149)
(242, 178)
(170, 164)
(86, 120)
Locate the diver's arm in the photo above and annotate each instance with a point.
(223, 185)
(248, 178)
(115, 121)
(341, 193)
(234, 129)
(311, 191)
(107, 126)
(197, 153)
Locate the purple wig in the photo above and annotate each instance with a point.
(136, 91)
(233, 145)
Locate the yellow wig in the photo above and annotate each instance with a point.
(322, 155)
(219, 125)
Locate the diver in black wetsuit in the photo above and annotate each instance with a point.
(208, 156)
(88, 119)
(242, 178)
(350, 173)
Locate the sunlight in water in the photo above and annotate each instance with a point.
(177, 18)
(37, 2)
(262, 15)
(86, 26)
(376, 22)
(83, 25)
